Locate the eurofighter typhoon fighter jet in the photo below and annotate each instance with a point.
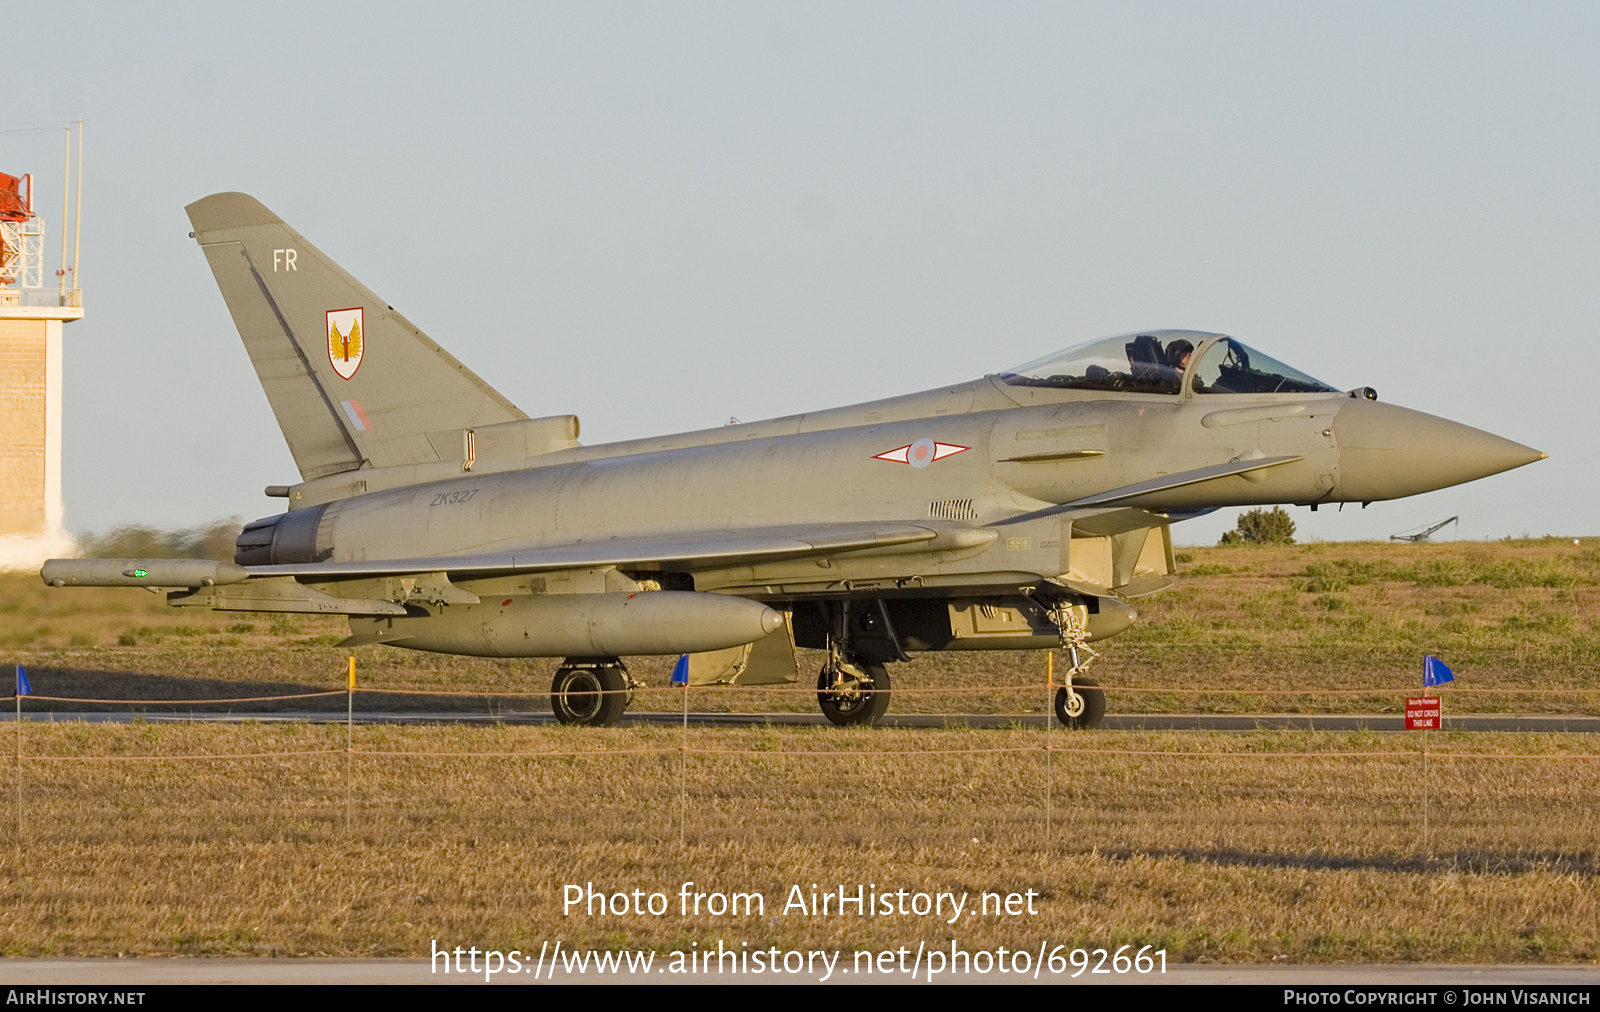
(1017, 511)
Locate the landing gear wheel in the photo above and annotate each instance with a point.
(1083, 706)
(591, 694)
(853, 693)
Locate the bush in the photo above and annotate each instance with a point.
(1512, 573)
(136, 541)
(1323, 581)
(1339, 574)
(1262, 527)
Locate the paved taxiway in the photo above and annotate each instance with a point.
(1121, 722)
(133, 973)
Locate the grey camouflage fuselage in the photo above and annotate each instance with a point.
(1018, 510)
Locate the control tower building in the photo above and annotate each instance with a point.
(32, 317)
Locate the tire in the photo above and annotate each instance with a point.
(852, 707)
(592, 695)
(1093, 701)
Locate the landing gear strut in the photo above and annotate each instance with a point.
(594, 692)
(852, 693)
(1080, 703)
(852, 689)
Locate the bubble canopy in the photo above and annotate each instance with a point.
(1156, 362)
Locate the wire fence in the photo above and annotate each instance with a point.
(1046, 748)
(1184, 690)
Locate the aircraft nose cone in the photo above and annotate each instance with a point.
(1386, 452)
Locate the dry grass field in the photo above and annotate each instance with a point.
(1239, 857)
(1276, 849)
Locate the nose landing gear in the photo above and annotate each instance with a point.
(1080, 703)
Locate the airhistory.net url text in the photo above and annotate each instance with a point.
(555, 962)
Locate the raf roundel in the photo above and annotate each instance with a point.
(921, 453)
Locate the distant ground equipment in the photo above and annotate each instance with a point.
(21, 234)
(32, 315)
(1425, 533)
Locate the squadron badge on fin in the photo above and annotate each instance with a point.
(345, 345)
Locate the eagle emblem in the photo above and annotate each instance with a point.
(345, 341)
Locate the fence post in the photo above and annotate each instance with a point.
(1049, 707)
(683, 767)
(349, 749)
(18, 690)
(1427, 785)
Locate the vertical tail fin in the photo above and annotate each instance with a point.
(353, 384)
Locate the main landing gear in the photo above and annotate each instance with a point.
(852, 693)
(591, 691)
(853, 686)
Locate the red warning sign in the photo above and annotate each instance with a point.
(1423, 713)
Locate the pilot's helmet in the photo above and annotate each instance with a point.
(1177, 351)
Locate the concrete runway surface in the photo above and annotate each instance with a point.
(1114, 722)
(133, 973)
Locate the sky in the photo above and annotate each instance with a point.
(660, 216)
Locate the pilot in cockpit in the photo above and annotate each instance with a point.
(1155, 362)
